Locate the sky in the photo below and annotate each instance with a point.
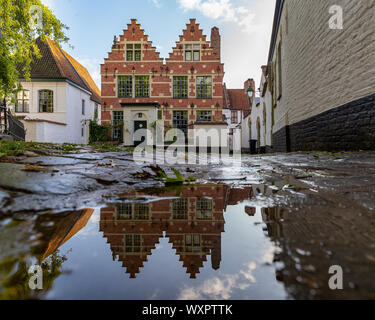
(245, 27)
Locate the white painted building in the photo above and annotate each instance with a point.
(59, 101)
(262, 116)
(237, 107)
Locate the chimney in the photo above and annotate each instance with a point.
(216, 42)
(264, 69)
(249, 83)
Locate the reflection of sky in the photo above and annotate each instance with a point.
(243, 274)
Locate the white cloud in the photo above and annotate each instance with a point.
(246, 34)
(48, 3)
(222, 9)
(156, 3)
(93, 67)
(220, 288)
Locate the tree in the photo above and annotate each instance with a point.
(15, 276)
(21, 22)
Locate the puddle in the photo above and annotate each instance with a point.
(195, 242)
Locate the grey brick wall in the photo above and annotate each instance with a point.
(323, 69)
(348, 127)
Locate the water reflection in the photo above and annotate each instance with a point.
(216, 231)
(192, 218)
(25, 243)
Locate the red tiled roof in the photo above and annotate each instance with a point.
(238, 100)
(57, 64)
(85, 76)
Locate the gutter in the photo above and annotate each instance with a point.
(275, 29)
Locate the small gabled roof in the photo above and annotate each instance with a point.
(56, 64)
(238, 100)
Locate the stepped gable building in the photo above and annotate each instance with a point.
(321, 76)
(139, 88)
(193, 223)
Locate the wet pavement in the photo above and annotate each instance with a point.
(268, 229)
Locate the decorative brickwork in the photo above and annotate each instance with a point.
(190, 80)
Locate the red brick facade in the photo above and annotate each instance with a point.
(161, 74)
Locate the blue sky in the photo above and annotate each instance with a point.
(245, 26)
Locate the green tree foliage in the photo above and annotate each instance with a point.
(20, 25)
(99, 133)
(14, 277)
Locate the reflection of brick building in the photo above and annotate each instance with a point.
(193, 222)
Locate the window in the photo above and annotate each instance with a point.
(83, 107)
(133, 52)
(125, 86)
(124, 211)
(142, 86)
(204, 87)
(82, 131)
(180, 87)
(23, 101)
(192, 52)
(96, 112)
(141, 211)
(234, 116)
(117, 122)
(45, 101)
(204, 116)
(180, 120)
(132, 243)
(160, 114)
(180, 209)
(192, 243)
(204, 209)
(129, 211)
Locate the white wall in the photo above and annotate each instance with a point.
(149, 114)
(265, 113)
(59, 100)
(67, 110)
(246, 134)
(75, 119)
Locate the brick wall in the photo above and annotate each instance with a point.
(161, 74)
(322, 70)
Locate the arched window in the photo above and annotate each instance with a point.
(23, 101)
(45, 101)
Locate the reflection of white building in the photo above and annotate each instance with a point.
(262, 116)
(237, 107)
(61, 98)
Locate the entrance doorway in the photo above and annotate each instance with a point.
(137, 126)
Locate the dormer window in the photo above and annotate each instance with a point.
(133, 52)
(192, 52)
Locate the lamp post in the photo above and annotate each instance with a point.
(250, 92)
